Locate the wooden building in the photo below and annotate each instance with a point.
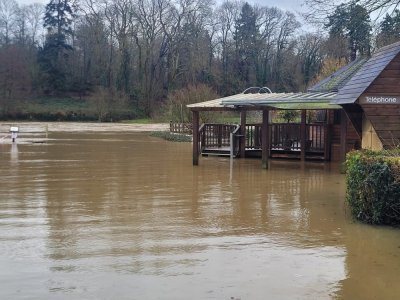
(371, 99)
(358, 107)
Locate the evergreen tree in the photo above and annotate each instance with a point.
(53, 56)
(246, 37)
(337, 21)
(389, 29)
(353, 24)
(359, 31)
(59, 15)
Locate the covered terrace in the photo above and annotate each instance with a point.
(266, 139)
(328, 138)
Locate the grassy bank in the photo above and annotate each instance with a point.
(66, 109)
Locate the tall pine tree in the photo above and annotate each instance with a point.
(53, 56)
(246, 38)
(353, 24)
(389, 29)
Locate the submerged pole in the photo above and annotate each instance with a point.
(243, 134)
(303, 135)
(265, 138)
(195, 123)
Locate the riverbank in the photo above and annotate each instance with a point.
(38, 132)
(90, 126)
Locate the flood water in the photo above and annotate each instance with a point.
(127, 216)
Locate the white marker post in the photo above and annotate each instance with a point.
(14, 133)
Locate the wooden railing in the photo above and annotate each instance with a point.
(224, 139)
(287, 136)
(185, 128)
(216, 135)
(253, 136)
(317, 135)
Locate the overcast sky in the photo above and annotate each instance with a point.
(295, 6)
(292, 5)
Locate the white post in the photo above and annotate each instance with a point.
(231, 145)
(231, 159)
(14, 133)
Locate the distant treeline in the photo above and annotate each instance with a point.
(131, 55)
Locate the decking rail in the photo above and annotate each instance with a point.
(287, 136)
(284, 138)
(218, 136)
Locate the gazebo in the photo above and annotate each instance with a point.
(359, 105)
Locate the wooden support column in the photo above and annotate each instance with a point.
(265, 139)
(303, 134)
(195, 128)
(343, 135)
(327, 137)
(243, 133)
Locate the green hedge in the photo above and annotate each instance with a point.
(373, 186)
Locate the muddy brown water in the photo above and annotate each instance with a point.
(126, 216)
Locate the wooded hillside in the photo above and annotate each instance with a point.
(127, 56)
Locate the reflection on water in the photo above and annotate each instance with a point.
(126, 216)
(14, 153)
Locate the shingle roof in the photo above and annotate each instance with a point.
(343, 86)
(338, 79)
(273, 100)
(369, 71)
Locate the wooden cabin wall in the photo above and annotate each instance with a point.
(387, 82)
(386, 121)
(352, 142)
(385, 118)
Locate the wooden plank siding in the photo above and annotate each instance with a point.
(353, 140)
(386, 121)
(379, 74)
(385, 118)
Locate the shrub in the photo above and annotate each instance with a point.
(177, 101)
(289, 115)
(373, 186)
(107, 104)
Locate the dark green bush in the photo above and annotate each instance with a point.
(373, 186)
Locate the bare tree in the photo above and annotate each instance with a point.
(15, 79)
(8, 17)
(34, 13)
(284, 42)
(320, 9)
(227, 14)
(311, 56)
(269, 19)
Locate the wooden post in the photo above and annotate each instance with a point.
(219, 137)
(195, 122)
(327, 136)
(265, 139)
(243, 133)
(303, 134)
(343, 135)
